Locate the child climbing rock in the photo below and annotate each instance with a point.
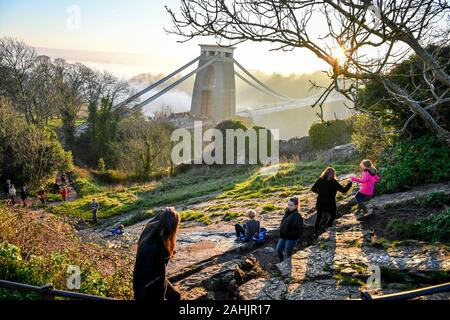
(367, 181)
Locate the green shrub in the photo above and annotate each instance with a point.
(435, 200)
(368, 136)
(433, 228)
(412, 163)
(327, 135)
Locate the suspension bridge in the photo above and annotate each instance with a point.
(214, 92)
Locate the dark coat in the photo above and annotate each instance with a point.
(291, 227)
(252, 228)
(327, 190)
(149, 278)
(24, 193)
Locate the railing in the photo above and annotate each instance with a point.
(48, 293)
(409, 294)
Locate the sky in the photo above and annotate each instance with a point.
(126, 37)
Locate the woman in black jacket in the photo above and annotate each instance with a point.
(291, 230)
(327, 187)
(156, 247)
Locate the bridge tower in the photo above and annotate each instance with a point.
(214, 94)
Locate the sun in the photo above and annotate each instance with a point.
(339, 54)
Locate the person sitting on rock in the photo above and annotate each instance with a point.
(291, 230)
(119, 231)
(368, 180)
(250, 229)
(156, 246)
(327, 187)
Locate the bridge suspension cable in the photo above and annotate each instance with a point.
(263, 90)
(173, 85)
(267, 89)
(156, 84)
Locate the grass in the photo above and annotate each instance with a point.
(138, 217)
(230, 216)
(233, 183)
(195, 216)
(270, 207)
(290, 180)
(198, 182)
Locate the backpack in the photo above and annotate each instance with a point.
(262, 236)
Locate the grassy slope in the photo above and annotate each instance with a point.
(229, 183)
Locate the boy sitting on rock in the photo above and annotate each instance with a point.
(250, 229)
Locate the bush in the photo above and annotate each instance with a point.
(435, 200)
(433, 228)
(238, 125)
(324, 136)
(417, 162)
(368, 136)
(28, 154)
(37, 250)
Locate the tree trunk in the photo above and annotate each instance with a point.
(442, 134)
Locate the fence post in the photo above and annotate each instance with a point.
(45, 295)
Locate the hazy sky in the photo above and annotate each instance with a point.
(126, 37)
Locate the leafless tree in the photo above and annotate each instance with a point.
(17, 61)
(70, 82)
(370, 36)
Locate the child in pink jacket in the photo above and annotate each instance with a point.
(367, 181)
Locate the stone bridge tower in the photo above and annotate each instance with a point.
(214, 94)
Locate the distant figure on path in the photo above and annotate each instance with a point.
(291, 230)
(327, 187)
(41, 195)
(64, 192)
(63, 179)
(250, 229)
(12, 194)
(94, 206)
(24, 194)
(156, 247)
(367, 181)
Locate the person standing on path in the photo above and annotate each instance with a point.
(41, 195)
(24, 194)
(291, 230)
(95, 207)
(12, 194)
(327, 187)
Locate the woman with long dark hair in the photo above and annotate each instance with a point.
(156, 247)
(327, 187)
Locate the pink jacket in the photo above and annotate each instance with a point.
(367, 183)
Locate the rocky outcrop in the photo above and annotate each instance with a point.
(335, 267)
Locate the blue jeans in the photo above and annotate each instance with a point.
(360, 198)
(285, 247)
